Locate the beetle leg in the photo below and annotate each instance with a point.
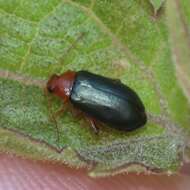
(76, 112)
(93, 124)
(59, 112)
(52, 115)
(56, 127)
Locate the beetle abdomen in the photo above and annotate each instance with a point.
(108, 101)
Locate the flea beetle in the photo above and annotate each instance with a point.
(101, 99)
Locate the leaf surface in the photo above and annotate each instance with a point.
(116, 39)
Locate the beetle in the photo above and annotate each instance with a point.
(100, 98)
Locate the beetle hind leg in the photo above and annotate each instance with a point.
(93, 124)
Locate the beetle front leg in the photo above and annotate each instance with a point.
(59, 112)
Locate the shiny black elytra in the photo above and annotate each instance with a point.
(100, 99)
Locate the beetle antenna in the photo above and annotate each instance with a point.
(52, 115)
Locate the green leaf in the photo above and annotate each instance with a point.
(118, 39)
(178, 16)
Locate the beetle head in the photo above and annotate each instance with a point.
(61, 85)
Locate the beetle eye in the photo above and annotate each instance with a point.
(51, 85)
(50, 89)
